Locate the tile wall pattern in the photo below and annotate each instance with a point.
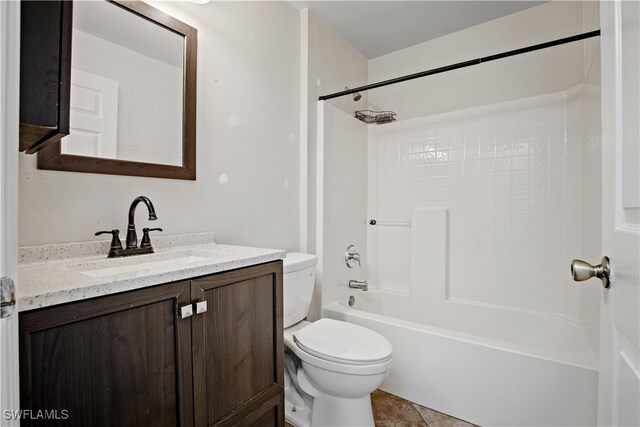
(510, 175)
(591, 197)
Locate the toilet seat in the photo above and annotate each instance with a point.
(344, 368)
(343, 343)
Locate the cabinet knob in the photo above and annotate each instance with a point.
(186, 311)
(201, 307)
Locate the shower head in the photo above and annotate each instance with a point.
(356, 96)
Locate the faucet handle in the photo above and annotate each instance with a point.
(350, 254)
(146, 240)
(115, 239)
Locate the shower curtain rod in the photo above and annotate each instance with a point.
(464, 64)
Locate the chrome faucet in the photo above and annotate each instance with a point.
(356, 284)
(132, 248)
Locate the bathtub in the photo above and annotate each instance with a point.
(487, 365)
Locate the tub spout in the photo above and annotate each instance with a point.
(356, 284)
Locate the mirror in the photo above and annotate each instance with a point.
(132, 108)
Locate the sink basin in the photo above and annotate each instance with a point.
(158, 266)
(145, 264)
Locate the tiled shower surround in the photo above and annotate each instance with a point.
(510, 176)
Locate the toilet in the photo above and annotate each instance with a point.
(331, 367)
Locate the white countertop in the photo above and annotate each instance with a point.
(61, 273)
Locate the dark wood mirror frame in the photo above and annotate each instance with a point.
(52, 158)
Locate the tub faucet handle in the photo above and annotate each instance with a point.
(351, 255)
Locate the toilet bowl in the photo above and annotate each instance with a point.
(332, 366)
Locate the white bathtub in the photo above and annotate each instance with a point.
(484, 364)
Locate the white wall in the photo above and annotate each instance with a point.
(539, 24)
(329, 64)
(344, 202)
(516, 77)
(247, 138)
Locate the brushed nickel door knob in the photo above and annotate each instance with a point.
(581, 270)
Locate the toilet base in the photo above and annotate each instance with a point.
(296, 415)
(340, 411)
(306, 406)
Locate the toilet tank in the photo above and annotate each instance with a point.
(299, 277)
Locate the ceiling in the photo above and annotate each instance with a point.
(376, 28)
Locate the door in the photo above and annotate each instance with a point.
(619, 385)
(118, 360)
(93, 121)
(9, 96)
(238, 348)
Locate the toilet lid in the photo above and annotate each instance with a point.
(343, 342)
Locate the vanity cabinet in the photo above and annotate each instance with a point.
(133, 359)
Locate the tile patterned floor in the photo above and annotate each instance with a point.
(393, 411)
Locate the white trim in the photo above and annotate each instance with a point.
(319, 207)
(616, 113)
(619, 331)
(9, 118)
(304, 129)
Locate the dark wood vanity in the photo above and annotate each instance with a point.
(135, 359)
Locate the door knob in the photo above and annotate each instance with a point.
(581, 270)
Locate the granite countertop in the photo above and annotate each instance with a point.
(61, 273)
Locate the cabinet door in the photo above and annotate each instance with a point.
(120, 360)
(267, 412)
(45, 72)
(237, 343)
